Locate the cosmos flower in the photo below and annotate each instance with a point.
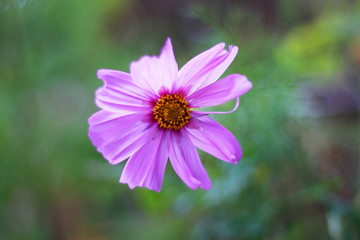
(152, 115)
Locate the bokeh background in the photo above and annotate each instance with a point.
(298, 126)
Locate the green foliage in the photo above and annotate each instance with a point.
(314, 48)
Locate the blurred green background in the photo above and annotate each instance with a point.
(299, 126)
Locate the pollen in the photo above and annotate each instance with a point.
(172, 111)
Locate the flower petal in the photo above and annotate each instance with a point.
(154, 73)
(120, 94)
(206, 67)
(117, 137)
(208, 135)
(220, 91)
(168, 61)
(122, 82)
(146, 167)
(186, 162)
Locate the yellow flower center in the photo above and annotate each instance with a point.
(172, 111)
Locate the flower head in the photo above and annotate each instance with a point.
(151, 115)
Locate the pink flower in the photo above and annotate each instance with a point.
(150, 116)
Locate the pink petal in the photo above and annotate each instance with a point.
(211, 137)
(206, 67)
(220, 91)
(103, 116)
(120, 94)
(118, 137)
(154, 73)
(122, 82)
(186, 162)
(146, 167)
